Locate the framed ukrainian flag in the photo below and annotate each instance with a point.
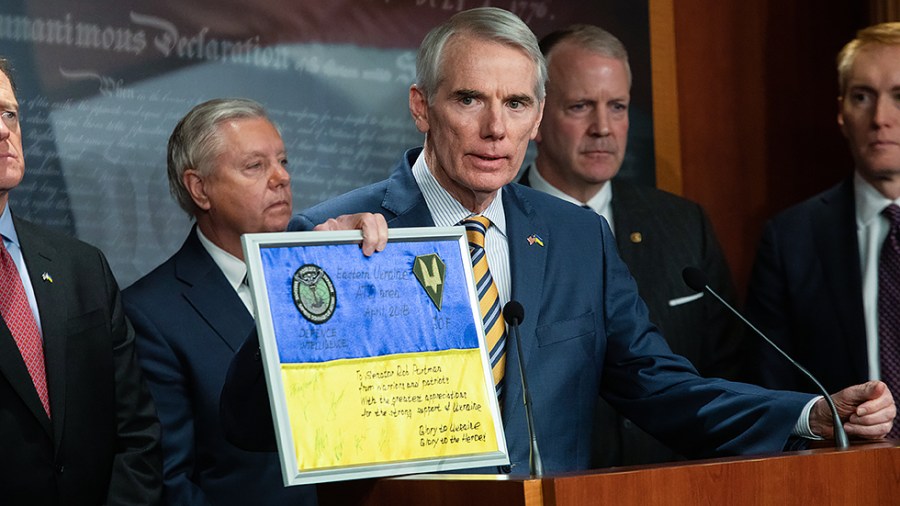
(376, 366)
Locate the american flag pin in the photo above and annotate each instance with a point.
(46, 277)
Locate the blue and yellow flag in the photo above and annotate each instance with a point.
(373, 369)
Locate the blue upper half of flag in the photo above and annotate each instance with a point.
(380, 307)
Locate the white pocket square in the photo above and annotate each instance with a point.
(684, 300)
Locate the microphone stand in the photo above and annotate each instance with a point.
(535, 464)
(693, 277)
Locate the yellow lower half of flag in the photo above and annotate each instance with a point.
(387, 409)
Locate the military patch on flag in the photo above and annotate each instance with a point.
(429, 270)
(313, 293)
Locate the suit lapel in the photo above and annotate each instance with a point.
(527, 264)
(209, 293)
(403, 204)
(627, 221)
(39, 256)
(834, 232)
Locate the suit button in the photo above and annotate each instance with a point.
(627, 423)
(60, 468)
(504, 469)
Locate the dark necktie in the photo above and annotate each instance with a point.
(488, 299)
(22, 325)
(889, 307)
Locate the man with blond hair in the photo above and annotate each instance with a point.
(826, 282)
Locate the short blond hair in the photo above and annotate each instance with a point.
(885, 34)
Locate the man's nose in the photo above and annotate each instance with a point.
(493, 123)
(600, 123)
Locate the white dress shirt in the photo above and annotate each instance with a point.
(871, 231)
(234, 269)
(447, 212)
(601, 202)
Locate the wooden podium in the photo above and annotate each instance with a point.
(866, 474)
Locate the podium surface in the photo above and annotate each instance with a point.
(864, 474)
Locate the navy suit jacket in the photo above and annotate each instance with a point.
(585, 334)
(805, 293)
(102, 444)
(189, 322)
(674, 233)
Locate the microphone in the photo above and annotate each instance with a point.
(514, 314)
(696, 280)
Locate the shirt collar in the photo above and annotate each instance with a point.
(444, 209)
(869, 201)
(599, 202)
(234, 269)
(7, 230)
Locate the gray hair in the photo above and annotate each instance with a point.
(487, 23)
(196, 141)
(6, 68)
(591, 38)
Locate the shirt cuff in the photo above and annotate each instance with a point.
(801, 428)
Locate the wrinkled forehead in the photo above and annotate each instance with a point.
(7, 90)
(461, 52)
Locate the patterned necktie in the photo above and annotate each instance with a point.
(488, 298)
(22, 325)
(889, 307)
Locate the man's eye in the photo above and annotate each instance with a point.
(466, 100)
(859, 98)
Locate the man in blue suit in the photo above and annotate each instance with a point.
(479, 99)
(227, 168)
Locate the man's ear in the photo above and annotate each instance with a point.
(196, 187)
(536, 134)
(840, 115)
(418, 108)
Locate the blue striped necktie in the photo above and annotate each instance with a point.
(488, 298)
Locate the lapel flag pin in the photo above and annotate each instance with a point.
(636, 237)
(46, 277)
(535, 239)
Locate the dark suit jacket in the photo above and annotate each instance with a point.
(585, 334)
(674, 233)
(189, 322)
(805, 293)
(102, 444)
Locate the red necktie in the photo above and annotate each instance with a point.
(889, 307)
(21, 323)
